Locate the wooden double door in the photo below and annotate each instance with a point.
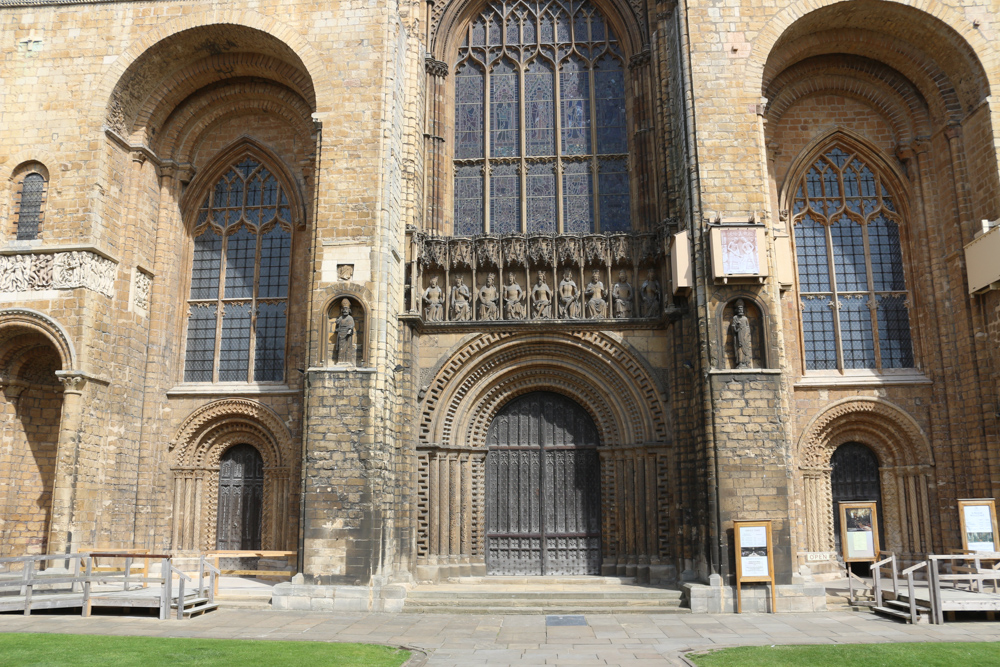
(543, 500)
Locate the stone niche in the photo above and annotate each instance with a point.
(345, 342)
(753, 326)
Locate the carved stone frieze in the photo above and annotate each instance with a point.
(488, 251)
(596, 248)
(61, 270)
(621, 248)
(515, 250)
(461, 253)
(568, 248)
(541, 249)
(141, 290)
(435, 252)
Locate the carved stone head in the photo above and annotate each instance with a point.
(740, 307)
(596, 275)
(621, 276)
(541, 276)
(510, 278)
(489, 280)
(345, 307)
(434, 281)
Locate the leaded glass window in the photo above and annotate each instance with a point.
(850, 262)
(29, 210)
(239, 279)
(540, 134)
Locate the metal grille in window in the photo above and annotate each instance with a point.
(242, 244)
(529, 74)
(29, 213)
(848, 248)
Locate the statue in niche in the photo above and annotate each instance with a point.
(343, 338)
(742, 340)
(541, 298)
(489, 295)
(621, 294)
(513, 297)
(434, 300)
(650, 293)
(597, 306)
(569, 305)
(461, 297)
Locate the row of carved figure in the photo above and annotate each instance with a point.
(511, 300)
(61, 270)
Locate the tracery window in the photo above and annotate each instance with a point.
(239, 279)
(850, 265)
(540, 131)
(29, 206)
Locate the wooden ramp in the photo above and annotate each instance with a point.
(85, 581)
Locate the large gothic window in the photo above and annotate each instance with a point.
(854, 299)
(239, 279)
(540, 137)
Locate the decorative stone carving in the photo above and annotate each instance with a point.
(141, 290)
(622, 296)
(435, 252)
(41, 272)
(621, 248)
(343, 338)
(345, 272)
(513, 297)
(650, 292)
(597, 305)
(15, 273)
(569, 293)
(568, 248)
(488, 251)
(68, 270)
(541, 298)
(541, 249)
(595, 248)
(461, 297)
(489, 296)
(515, 250)
(648, 248)
(461, 253)
(742, 340)
(434, 302)
(63, 270)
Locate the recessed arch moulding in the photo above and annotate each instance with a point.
(201, 440)
(604, 377)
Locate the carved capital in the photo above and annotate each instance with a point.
(436, 68)
(72, 381)
(639, 59)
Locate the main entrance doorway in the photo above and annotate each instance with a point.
(241, 497)
(543, 495)
(855, 476)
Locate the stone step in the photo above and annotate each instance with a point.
(200, 609)
(543, 581)
(894, 613)
(547, 609)
(244, 602)
(480, 595)
(540, 602)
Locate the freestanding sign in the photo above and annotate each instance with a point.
(754, 557)
(978, 517)
(859, 531)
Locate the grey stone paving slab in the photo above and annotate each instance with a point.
(606, 639)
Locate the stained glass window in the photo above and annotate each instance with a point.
(239, 279)
(541, 143)
(850, 262)
(29, 210)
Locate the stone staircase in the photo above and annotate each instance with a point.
(542, 595)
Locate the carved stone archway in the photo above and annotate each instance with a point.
(593, 369)
(201, 441)
(906, 468)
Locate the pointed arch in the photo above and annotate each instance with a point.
(855, 144)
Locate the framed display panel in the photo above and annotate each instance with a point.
(738, 252)
(978, 519)
(754, 557)
(859, 531)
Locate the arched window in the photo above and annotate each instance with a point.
(239, 279)
(31, 195)
(540, 136)
(854, 298)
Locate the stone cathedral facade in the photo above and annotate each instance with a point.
(473, 287)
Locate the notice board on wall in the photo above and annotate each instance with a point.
(754, 557)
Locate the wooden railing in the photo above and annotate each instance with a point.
(909, 573)
(959, 573)
(876, 570)
(73, 583)
(217, 555)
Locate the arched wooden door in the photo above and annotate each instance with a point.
(241, 499)
(855, 476)
(543, 496)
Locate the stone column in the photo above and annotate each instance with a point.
(61, 535)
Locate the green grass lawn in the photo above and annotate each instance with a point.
(956, 654)
(23, 649)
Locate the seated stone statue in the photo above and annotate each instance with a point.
(597, 307)
(541, 298)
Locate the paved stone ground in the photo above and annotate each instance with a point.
(467, 640)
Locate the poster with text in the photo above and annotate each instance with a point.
(860, 542)
(979, 528)
(753, 551)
